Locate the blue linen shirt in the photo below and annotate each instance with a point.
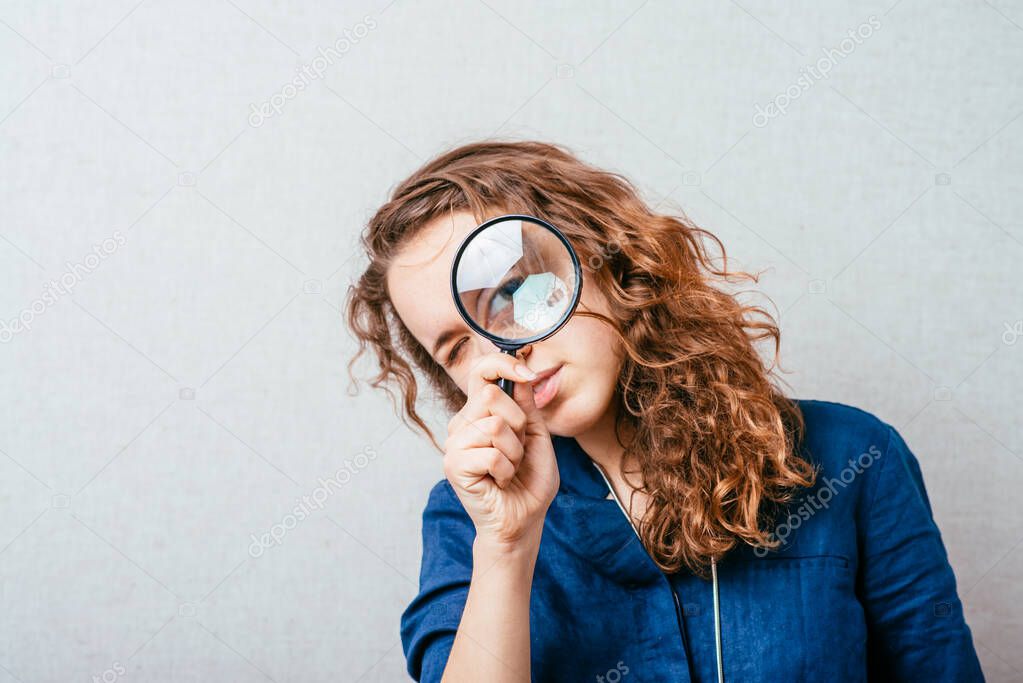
(861, 588)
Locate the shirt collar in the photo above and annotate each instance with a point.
(587, 522)
(578, 473)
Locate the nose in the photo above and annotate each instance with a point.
(481, 345)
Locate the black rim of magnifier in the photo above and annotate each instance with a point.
(499, 341)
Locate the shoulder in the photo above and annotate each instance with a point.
(857, 452)
(832, 418)
(851, 448)
(837, 433)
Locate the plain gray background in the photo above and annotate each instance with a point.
(189, 388)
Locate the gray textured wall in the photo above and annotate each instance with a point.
(179, 384)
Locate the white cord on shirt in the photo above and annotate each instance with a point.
(713, 570)
(717, 621)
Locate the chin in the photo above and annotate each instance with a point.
(570, 418)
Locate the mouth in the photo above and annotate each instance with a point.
(545, 386)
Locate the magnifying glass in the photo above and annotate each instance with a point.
(516, 280)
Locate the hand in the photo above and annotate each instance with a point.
(499, 457)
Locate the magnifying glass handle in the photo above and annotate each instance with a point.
(507, 385)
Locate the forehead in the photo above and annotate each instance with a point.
(434, 244)
(425, 259)
(418, 278)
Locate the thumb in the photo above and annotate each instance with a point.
(523, 395)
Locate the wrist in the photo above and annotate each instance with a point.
(522, 549)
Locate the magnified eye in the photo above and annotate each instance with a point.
(516, 280)
(502, 296)
(508, 288)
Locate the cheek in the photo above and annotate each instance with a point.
(457, 375)
(593, 344)
(596, 336)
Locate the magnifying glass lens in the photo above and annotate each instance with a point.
(515, 279)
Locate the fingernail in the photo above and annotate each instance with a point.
(524, 371)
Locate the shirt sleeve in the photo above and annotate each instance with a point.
(429, 623)
(915, 618)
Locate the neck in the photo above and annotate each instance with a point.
(601, 443)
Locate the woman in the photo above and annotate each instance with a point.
(648, 506)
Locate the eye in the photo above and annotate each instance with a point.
(456, 351)
(502, 297)
(509, 286)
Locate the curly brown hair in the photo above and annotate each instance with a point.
(717, 443)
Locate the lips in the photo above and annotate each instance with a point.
(545, 386)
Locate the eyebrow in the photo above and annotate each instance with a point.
(443, 339)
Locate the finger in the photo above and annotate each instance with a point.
(510, 412)
(490, 400)
(490, 431)
(472, 465)
(508, 442)
(526, 401)
(493, 366)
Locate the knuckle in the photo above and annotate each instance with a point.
(490, 393)
(494, 426)
(494, 458)
(511, 436)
